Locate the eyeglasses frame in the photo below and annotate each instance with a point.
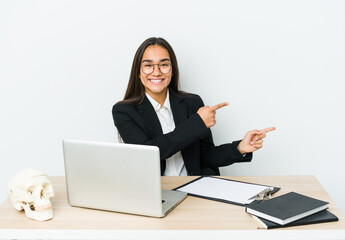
(153, 68)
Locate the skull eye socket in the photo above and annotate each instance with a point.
(42, 193)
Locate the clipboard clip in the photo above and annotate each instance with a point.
(263, 195)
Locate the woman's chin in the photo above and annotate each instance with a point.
(157, 91)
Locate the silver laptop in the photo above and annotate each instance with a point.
(117, 177)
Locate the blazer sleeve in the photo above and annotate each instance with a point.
(222, 155)
(133, 129)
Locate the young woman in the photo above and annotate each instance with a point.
(155, 112)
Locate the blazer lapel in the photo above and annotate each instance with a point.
(179, 109)
(149, 114)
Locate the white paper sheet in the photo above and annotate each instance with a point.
(233, 191)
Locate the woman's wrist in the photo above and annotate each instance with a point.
(240, 149)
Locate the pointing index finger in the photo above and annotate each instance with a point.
(265, 130)
(220, 105)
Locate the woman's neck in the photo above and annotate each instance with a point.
(159, 97)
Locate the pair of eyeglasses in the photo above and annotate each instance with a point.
(164, 67)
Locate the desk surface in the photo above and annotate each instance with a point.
(193, 214)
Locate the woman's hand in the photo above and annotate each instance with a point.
(208, 114)
(252, 141)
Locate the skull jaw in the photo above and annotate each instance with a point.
(43, 214)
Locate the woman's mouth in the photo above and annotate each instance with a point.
(156, 80)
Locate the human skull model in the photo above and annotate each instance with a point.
(30, 190)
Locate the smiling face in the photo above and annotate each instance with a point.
(156, 83)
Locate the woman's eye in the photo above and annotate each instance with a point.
(148, 65)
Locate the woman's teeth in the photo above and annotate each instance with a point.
(156, 81)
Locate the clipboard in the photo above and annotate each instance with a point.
(226, 190)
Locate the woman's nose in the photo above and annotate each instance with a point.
(156, 70)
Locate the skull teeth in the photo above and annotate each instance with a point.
(39, 208)
(42, 208)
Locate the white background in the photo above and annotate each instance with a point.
(63, 64)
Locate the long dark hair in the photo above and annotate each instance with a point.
(135, 92)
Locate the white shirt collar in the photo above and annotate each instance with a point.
(156, 105)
